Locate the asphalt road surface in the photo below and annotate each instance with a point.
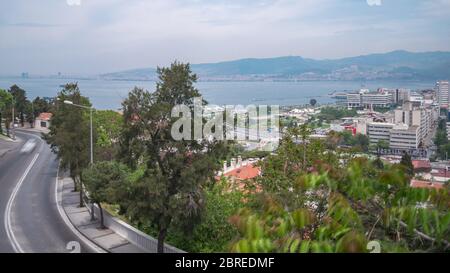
(30, 221)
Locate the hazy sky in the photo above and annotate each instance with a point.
(96, 36)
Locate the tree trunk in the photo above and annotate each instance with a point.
(75, 184)
(92, 212)
(22, 120)
(81, 194)
(102, 223)
(7, 127)
(161, 238)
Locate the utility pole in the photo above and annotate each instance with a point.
(34, 117)
(92, 141)
(13, 129)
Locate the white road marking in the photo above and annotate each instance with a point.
(7, 219)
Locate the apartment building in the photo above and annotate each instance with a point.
(448, 130)
(398, 95)
(369, 99)
(404, 137)
(376, 100)
(414, 114)
(442, 93)
(354, 100)
(398, 136)
(379, 131)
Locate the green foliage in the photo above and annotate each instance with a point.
(5, 105)
(170, 193)
(108, 128)
(358, 142)
(215, 231)
(69, 132)
(406, 163)
(254, 154)
(42, 105)
(20, 102)
(288, 122)
(441, 140)
(382, 144)
(340, 208)
(102, 180)
(332, 113)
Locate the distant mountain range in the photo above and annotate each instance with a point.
(396, 65)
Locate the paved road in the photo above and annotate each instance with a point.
(36, 225)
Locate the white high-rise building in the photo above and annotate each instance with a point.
(442, 93)
(411, 114)
(369, 99)
(379, 131)
(404, 137)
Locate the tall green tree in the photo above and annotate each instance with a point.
(42, 105)
(170, 193)
(441, 140)
(407, 164)
(100, 180)
(5, 105)
(382, 144)
(69, 133)
(20, 102)
(108, 128)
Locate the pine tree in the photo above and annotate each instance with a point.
(406, 162)
(170, 193)
(69, 134)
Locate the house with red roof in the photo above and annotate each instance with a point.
(43, 121)
(426, 184)
(421, 166)
(239, 172)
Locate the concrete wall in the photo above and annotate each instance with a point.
(135, 236)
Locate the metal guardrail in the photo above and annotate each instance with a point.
(132, 234)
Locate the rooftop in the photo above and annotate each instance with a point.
(421, 164)
(426, 184)
(245, 172)
(45, 116)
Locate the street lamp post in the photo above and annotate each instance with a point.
(13, 129)
(91, 142)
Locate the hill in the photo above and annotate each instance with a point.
(393, 65)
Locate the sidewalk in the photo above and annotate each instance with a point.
(7, 144)
(81, 220)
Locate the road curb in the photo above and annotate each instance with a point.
(58, 198)
(119, 237)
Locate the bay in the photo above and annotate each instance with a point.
(108, 94)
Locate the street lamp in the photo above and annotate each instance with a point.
(13, 129)
(92, 148)
(90, 110)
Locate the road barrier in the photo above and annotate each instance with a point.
(132, 234)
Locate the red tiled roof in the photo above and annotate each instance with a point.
(441, 173)
(243, 173)
(45, 116)
(426, 184)
(421, 164)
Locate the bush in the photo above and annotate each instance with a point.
(215, 231)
